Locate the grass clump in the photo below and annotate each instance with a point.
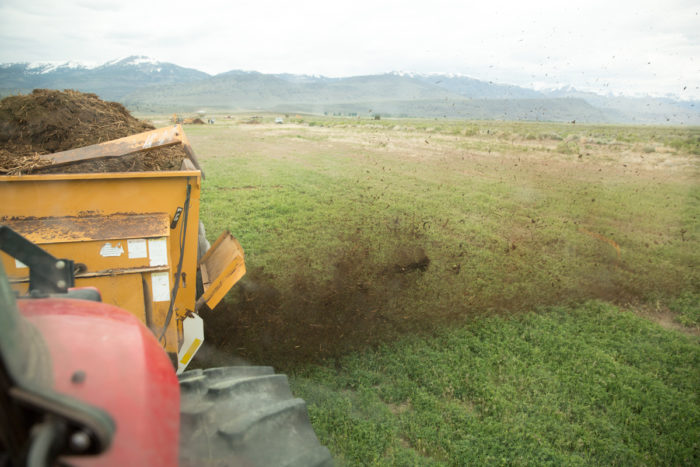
(568, 147)
(688, 144)
(550, 136)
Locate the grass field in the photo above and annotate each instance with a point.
(443, 291)
(588, 385)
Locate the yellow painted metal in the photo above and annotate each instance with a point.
(190, 352)
(94, 234)
(112, 291)
(221, 267)
(118, 228)
(90, 218)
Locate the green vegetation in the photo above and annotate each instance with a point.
(592, 385)
(331, 215)
(394, 266)
(688, 144)
(687, 307)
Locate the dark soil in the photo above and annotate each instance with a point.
(316, 318)
(167, 158)
(48, 121)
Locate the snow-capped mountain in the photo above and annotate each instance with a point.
(133, 60)
(112, 80)
(145, 83)
(47, 67)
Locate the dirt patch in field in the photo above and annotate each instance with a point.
(317, 318)
(49, 121)
(667, 319)
(167, 158)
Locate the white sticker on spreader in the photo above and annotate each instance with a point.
(160, 283)
(137, 248)
(158, 250)
(19, 264)
(109, 250)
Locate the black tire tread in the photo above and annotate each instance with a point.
(245, 415)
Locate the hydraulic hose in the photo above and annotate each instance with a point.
(183, 237)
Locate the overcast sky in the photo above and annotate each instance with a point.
(613, 46)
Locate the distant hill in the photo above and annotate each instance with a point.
(406, 95)
(544, 109)
(145, 85)
(111, 81)
(644, 110)
(239, 90)
(477, 89)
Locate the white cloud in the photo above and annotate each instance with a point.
(625, 46)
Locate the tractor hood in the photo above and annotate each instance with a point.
(102, 355)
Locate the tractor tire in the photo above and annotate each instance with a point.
(245, 416)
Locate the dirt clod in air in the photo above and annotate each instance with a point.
(411, 259)
(316, 317)
(47, 121)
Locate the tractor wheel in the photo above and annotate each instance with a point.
(245, 415)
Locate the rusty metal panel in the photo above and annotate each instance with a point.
(103, 245)
(88, 227)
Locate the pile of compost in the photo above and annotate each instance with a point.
(48, 121)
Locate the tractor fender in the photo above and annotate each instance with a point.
(105, 356)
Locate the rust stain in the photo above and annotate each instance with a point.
(90, 227)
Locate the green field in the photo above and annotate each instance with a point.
(467, 292)
(561, 386)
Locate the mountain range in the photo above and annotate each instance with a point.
(147, 85)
